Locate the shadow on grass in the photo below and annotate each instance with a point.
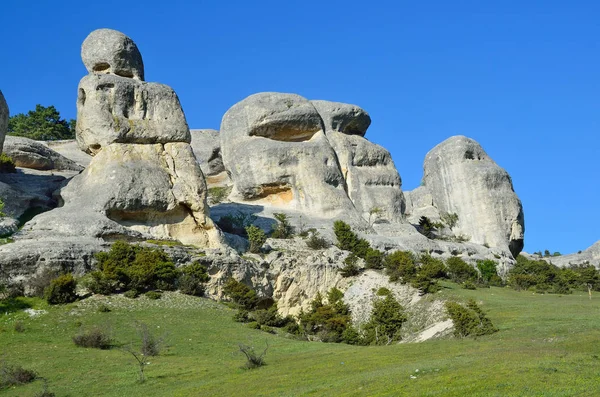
(11, 305)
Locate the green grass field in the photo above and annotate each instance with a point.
(548, 345)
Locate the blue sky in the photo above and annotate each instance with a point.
(520, 77)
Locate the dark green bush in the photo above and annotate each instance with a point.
(426, 227)
(460, 271)
(192, 279)
(61, 290)
(241, 316)
(283, 229)
(153, 295)
(242, 295)
(469, 285)
(469, 320)
(351, 268)
(374, 259)
(327, 321)
(432, 267)
(256, 238)
(349, 241)
(400, 266)
(425, 284)
(131, 294)
(385, 323)
(128, 266)
(487, 270)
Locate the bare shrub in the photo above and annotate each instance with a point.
(14, 375)
(95, 338)
(253, 359)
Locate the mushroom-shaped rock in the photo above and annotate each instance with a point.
(107, 51)
(276, 151)
(373, 183)
(113, 109)
(3, 119)
(464, 180)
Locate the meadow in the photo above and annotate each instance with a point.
(547, 345)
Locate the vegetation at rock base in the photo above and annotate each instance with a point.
(469, 320)
(41, 124)
(61, 290)
(315, 241)
(236, 224)
(7, 164)
(426, 227)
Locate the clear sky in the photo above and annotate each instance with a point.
(520, 77)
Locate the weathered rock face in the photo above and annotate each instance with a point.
(276, 151)
(206, 145)
(143, 182)
(371, 176)
(3, 119)
(110, 51)
(463, 179)
(28, 153)
(114, 109)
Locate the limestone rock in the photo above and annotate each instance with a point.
(3, 119)
(206, 145)
(28, 153)
(70, 149)
(371, 177)
(108, 51)
(463, 179)
(114, 109)
(591, 256)
(275, 149)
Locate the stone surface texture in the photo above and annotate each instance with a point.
(463, 179)
(27, 153)
(107, 51)
(114, 109)
(371, 177)
(3, 119)
(277, 154)
(206, 144)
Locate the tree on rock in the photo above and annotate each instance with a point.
(41, 124)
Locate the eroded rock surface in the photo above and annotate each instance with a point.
(277, 153)
(27, 153)
(464, 180)
(372, 181)
(110, 51)
(3, 119)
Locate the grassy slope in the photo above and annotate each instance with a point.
(548, 345)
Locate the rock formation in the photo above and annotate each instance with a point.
(206, 145)
(3, 119)
(371, 176)
(143, 182)
(27, 153)
(275, 149)
(460, 178)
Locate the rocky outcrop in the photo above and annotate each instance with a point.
(111, 52)
(27, 153)
(3, 119)
(277, 154)
(206, 145)
(70, 149)
(143, 182)
(590, 256)
(115, 109)
(372, 181)
(462, 179)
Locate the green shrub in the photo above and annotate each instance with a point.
(469, 285)
(425, 284)
(239, 293)
(131, 294)
(432, 267)
(449, 219)
(2, 214)
(283, 229)
(7, 165)
(104, 309)
(382, 291)
(400, 266)
(98, 283)
(386, 321)
(94, 338)
(374, 259)
(218, 194)
(61, 290)
(270, 317)
(327, 322)
(256, 237)
(315, 241)
(469, 320)
(128, 266)
(460, 271)
(192, 279)
(349, 241)
(487, 269)
(241, 316)
(153, 295)
(351, 268)
(426, 227)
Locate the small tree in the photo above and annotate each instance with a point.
(283, 229)
(42, 124)
(386, 321)
(426, 227)
(61, 290)
(256, 237)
